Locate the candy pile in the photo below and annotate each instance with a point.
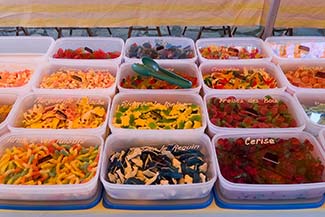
(160, 50)
(151, 115)
(250, 113)
(316, 113)
(299, 50)
(234, 78)
(85, 53)
(269, 161)
(4, 111)
(148, 165)
(68, 114)
(307, 77)
(74, 78)
(232, 52)
(15, 79)
(48, 163)
(149, 82)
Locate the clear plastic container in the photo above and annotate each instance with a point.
(294, 65)
(31, 48)
(245, 42)
(159, 98)
(107, 44)
(321, 138)
(315, 45)
(271, 69)
(7, 99)
(15, 66)
(272, 191)
(176, 41)
(285, 97)
(186, 68)
(63, 192)
(49, 68)
(311, 99)
(158, 192)
(27, 102)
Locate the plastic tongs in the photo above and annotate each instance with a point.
(152, 68)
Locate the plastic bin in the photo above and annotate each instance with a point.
(11, 100)
(285, 97)
(176, 41)
(65, 192)
(247, 42)
(158, 192)
(321, 138)
(310, 99)
(315, 44)
(26, 102)
(15, 66)
(159, 98)
(205, 68)
(293, 65)
(272, 191)
(31, 48)
(107, 44)
(48, 69)
(185, 68)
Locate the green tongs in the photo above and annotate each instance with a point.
(152, 68)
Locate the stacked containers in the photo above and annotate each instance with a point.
(65, 109)
(168, 127)
(123, 139)
(213, 60)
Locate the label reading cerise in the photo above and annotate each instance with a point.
(259, 141)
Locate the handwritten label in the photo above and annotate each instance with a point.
(45, 140)
(45, 101)
(260, 141)
(182, 147)
(249, 100)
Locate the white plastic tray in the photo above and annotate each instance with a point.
(318, 43)
(47, 69)
(185, 68)
(310, 99)
(107, 44)
(268, 191)
(205, 68)
(242, 41)
(159, 98)
(285, 97)
(11, 100)
(50, 192)
(177, 41)
(31, 48)
(18, 65)
(295, 64)
(321, 138)
(158, 192)
(26, 102)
